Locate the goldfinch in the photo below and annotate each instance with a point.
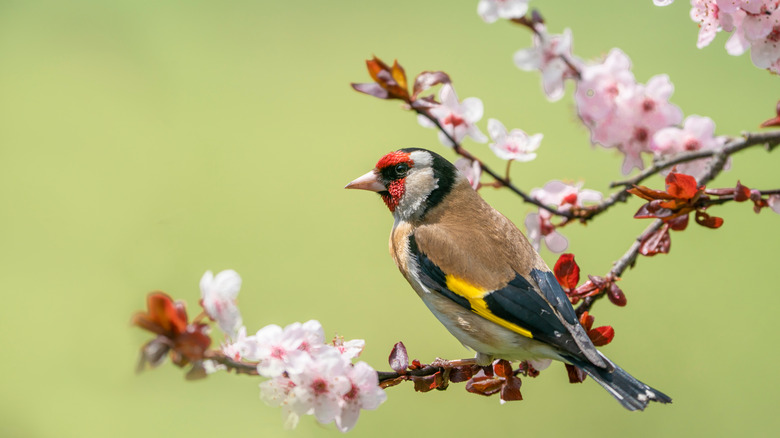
(480, 276)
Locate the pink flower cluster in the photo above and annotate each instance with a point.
(306, 375)
(620, 112)
(755, 25)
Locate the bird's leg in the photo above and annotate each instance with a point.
(483, 359)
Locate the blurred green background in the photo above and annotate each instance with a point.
(146, 142)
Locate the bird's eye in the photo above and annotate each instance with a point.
(401, 169)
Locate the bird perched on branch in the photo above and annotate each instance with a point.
(479, 274)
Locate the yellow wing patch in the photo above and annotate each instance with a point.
(476, 295)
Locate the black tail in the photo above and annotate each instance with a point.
(630, 392)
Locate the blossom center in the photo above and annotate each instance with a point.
(692, 145)
(640, 134)
(319, 386)
(277, 352)
(352, 394)
(453, 119)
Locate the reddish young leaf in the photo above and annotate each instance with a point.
(461, 374)
(399, 75)
(576, 375)
(510, 390)
(416, 365)
(649, 194)
(163, 317)
(484, 385)
(567, 272)
(775, 121)
(679, 223)
(398, 359)
(680, 185)
(393, 80)
(601, 336)
(372, 89)
(616, 295)
(586, 320)
(742, 193)
(375, 67)
(427, 383)
(428, 79)
(656, 243)
(653, 209)
(503, 368)
(706, 220)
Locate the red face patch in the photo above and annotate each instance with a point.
(394, 158)
(394, 193)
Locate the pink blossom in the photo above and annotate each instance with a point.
(320, 386)
(774, 203)
(458, 119)
(600, 86)
(313, 336)
(755, 25)
(364, 393)
(236, 349)
(705, 12)
(546, 55)
(565, 196)
(492, 10)
(471, 169)
(562, 196)
(515, 145)
(539, 227)
(349, 349)
(276, 392)
(218, 298)
(696, 134)
(640, 111)
(277, 350)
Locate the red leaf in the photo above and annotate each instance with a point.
(679, 223)
(461, 374)
(706, 220)
(428, 79)
(616, 295)
(656, 243)
(775, 121)
(163, 317)
(510, 390)
(503, 368)
(372, 89)
(484, 385)
(653, 209)
(427, 383)
(648, 193)
(375, 66)
(601, 336)
(567, 272)
(392, 80)
(681, 185)
(742, 193)
(193, 343)
(576, 375)
(586, 320)
(398, 359)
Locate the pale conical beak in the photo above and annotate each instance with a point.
(368, 181)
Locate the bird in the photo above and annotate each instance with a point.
(480, 276)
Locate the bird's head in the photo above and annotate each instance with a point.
(410, 181)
